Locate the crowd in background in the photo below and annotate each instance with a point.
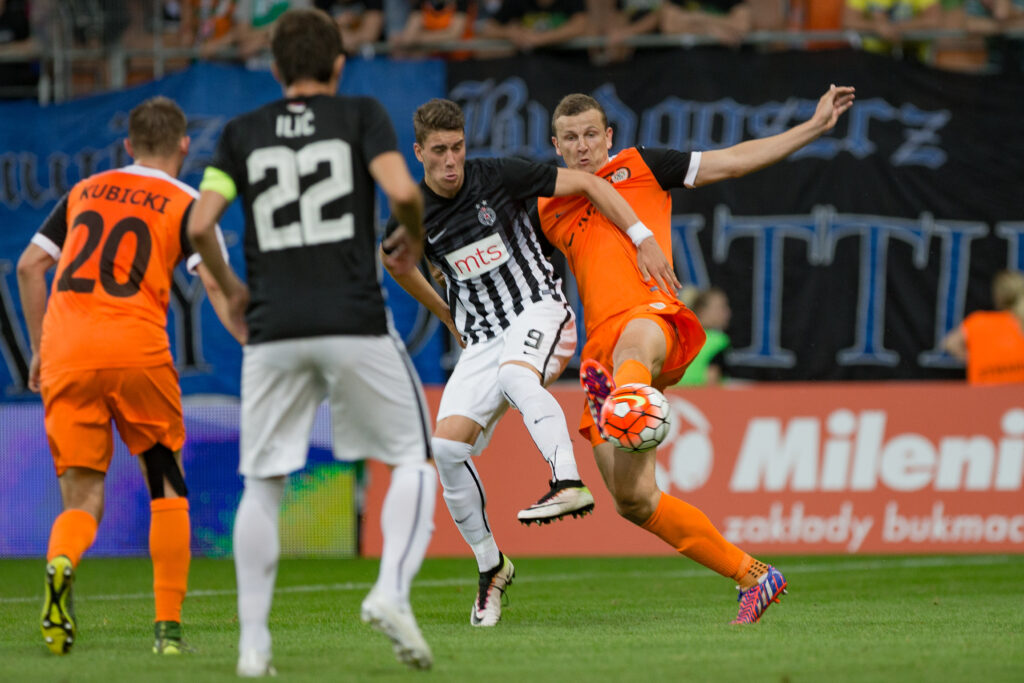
(970, 35)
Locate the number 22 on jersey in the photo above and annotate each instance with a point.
(289, 166)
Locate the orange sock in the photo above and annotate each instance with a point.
(169, 536)
(690, 532)
(72, 534)
(632, 372)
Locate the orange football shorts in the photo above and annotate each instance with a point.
(145, 403)
(684, 337)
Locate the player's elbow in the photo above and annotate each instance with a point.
(32, 263)
(407, 196)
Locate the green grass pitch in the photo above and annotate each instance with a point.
(958, 618)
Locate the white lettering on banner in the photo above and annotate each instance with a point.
(855, 455)
(479, 257)
(939, 527)
(796, 527)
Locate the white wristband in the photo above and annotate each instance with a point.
(638, 232)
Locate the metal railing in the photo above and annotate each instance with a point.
(58, 56)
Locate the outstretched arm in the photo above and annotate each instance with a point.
(753, 155)
(601, 193)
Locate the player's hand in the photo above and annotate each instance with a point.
(450, 324)
(832, 105)
(400, 252)
(653, 264)
(33, 373)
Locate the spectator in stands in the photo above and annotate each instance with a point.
(432, 22)
(727, 21)
(620, 20)
(990, 18)
(204, 22)
(531, 24)
(817, 15)
(712, 309)
(361, 22)
(17, 79)
(251, 22)
(992, 342)
(888, 21)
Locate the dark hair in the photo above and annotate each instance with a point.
(574, 104)
(305, 43)
(156, 126)
(437, 114)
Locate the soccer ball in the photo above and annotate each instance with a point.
(636, 417)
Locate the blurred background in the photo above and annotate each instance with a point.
(830, 414)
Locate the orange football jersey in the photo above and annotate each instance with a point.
(601, 256)
(118, 236)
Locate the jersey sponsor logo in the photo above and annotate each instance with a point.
(486, 214)
(479, 257)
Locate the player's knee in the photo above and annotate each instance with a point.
(160, 466)
(448, 452)
(635, 508)
(511, 375)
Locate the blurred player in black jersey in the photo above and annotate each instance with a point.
(305, 168)
(505, 303)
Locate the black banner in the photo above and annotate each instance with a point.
(849, 260)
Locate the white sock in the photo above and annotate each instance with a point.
(465, 498)
(543, 417)
(407, 523)
(256, 549)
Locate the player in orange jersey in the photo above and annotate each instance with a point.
(636, 326)
(100, 352)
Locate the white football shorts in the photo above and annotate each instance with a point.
(376, 402)
(543, 335)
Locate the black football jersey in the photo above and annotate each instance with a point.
(301, 169)
(484, 243)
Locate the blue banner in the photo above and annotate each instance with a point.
(46, 150)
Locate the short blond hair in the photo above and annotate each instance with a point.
(1008, 291)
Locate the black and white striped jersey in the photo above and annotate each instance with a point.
(484, 243)
(300, 166)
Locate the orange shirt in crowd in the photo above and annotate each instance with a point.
(995, 347)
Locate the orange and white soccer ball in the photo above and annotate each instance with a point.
(636, 417)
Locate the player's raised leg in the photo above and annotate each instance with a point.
(535, 350)
(640, 354)
(545, 420)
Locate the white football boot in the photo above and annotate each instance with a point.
(254, 664)
(398, 624)
(487, 606)
(567, 497)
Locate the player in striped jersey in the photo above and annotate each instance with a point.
(505, 303)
